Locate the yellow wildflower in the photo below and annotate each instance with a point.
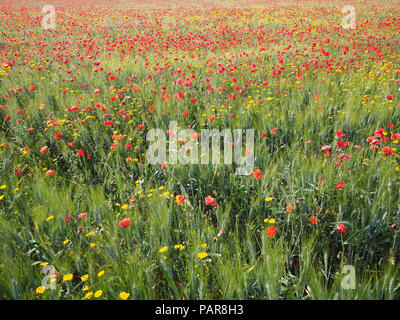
(202, 255)
(68, 277)
(98, 293)
(124, 295)
(40, 290)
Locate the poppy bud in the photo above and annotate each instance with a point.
(341, 228)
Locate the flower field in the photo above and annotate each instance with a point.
(84, 215)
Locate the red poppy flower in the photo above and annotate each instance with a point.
(125, 223)
(83, 215)
(271, 231)
(313, 220)
(81, 153)
(340, 185)
(339, 134)
(257, 174)
(387, 151)
(58, 136)
(395, 136)
(180, 199)
(210, 201)
(341, 228)
(43, 149)
(50, 172)
(342, 144)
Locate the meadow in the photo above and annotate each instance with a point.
(83, 215)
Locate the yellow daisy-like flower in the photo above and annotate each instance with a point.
(88, 295)
(93, 245)
(202, 255)
(124, 295)
(3, 186)
(204, 245)
(85, 288)
(268, 199)
(269, 220)
(98, 293)
(1, 197)
(68, 277)
(124, 207)
(85, 277)
(163, 249)
(40, 290)
(100, 273)
(43, 264)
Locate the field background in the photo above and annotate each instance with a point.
(288, 65)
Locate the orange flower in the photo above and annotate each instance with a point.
(271, 231)
(387, 151)
(313, 220)
(257, 174)
(180, 199)
(50, 172)
(210, 201)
